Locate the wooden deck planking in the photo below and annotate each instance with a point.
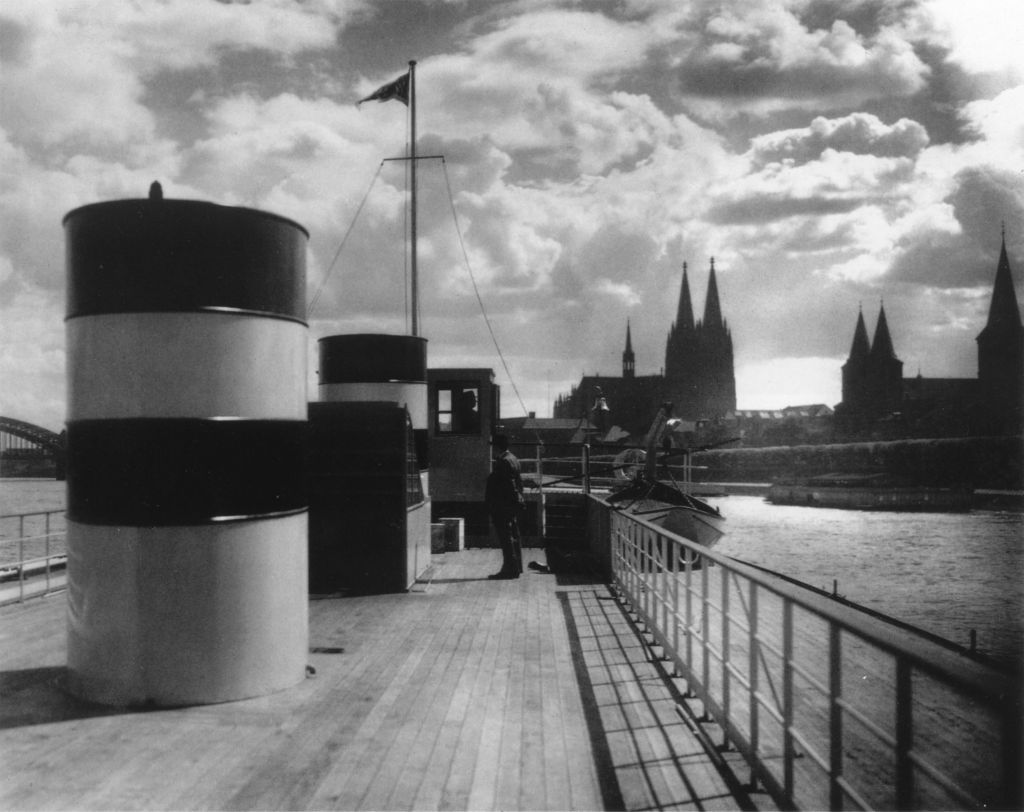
(439, 775)
(458, 786)
(293, 771)
(464, 693)
(584, 762)
(483, 786)
(666, 764)
(427, 770)
(403, 767)
(351, 777)
(507, 783)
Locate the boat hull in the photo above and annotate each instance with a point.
(695, 521)
(693, 525)
(894, 499)
(701, 528)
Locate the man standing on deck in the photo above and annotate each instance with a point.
(504, 499)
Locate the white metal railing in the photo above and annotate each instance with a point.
(832, 707)
(32, 554)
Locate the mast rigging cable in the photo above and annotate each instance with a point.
(465, 255)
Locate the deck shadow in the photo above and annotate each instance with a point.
(617, 645)
(608, 783)
(39, 696)
(739, 791)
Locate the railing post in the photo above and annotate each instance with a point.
(633, 560)
(652, 578)
(648, 571)
(539, 473)
(586, 468)
(726, 682)
(21, 562)
(47, 552)
(667, 551)
(788, 750)
(835, 692)
(627, 557)
(689, 627)
(675, 609)
(904, 734)
(755, 682)
(705, 635)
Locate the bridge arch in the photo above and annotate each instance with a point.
(25, 441)
(35, 435)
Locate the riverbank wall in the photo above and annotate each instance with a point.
(979, 462)
(24, 468)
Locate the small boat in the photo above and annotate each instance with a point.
(869, 492)
(670, 506)
(675, 510)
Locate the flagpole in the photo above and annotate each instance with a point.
(413, 280)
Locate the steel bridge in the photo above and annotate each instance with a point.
(23, 441)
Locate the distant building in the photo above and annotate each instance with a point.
(699, 369)
(1001, 347)
(548, 431)
(879, 402)
(794, 425)
(872, 375)
(698, 378)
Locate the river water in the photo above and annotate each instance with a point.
(947, 573)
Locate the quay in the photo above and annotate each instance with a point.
(463, 693)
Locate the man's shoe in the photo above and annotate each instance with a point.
(498, 576)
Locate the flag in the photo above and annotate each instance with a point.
(398, 89)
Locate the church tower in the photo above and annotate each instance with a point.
(885, 371)
(855, 370)
(628, 359)
(681, 351)
(1001, 346)
(699, 375)
(717, 376)
(872, 375)
(681, 335)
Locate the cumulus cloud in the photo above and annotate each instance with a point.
(833, 183)
(999, 123)
(761, 56)
(77, 71)
(981, 38)
(589, 148)
(961, 251)
(858, 133)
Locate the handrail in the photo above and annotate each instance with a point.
(887, 718)
(26, 565)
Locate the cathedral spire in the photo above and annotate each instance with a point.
(684, 315)
(1003, 312)
(712, 307)
(881, 346)
(628, 359)
(1001, 350)
(860, 348)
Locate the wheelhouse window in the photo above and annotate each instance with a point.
(458, 409)
(413, 483)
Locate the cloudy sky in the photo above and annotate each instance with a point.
(828, 153)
